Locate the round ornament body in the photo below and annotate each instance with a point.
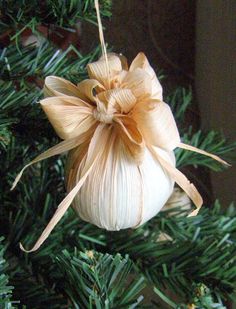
(120, 194)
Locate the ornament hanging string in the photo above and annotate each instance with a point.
(159, 127)
(102, 41)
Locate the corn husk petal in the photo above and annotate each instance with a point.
(140, 61)
(69, 116)
(156, 123)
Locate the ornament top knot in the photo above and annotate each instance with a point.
(128, 98)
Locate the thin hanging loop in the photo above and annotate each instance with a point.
(102, 41)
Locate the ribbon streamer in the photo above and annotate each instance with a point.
(65, 204)
(203, 152)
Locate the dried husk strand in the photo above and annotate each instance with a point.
(121, 137)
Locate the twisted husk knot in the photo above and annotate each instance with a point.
(102, 116)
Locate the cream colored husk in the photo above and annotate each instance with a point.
(119, 194)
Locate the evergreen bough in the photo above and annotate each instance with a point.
(81, 266)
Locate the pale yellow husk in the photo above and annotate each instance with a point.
(121, 136)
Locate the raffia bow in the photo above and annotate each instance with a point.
(125, 102)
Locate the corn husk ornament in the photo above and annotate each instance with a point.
(120, 136)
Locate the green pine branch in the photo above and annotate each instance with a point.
(5, 288)
(35, 63)
(180, 100)
(96, 280)
(202, 249)
(19, 16)
(202, 298)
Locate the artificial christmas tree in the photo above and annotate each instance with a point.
(82, 266)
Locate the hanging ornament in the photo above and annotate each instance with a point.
(120, 136)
